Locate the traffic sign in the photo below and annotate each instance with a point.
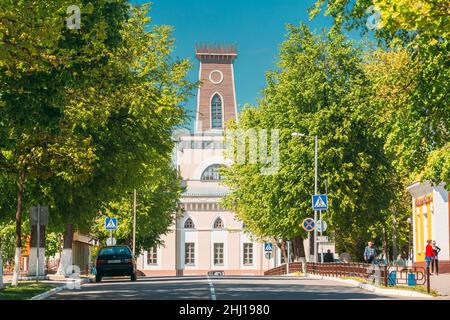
(321, 226)
(308, 224)
(43, 216)
(268, 255)
(322, 239)
(111, 223)
(268, 247)
(320, 202)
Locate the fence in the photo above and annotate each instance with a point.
(293, 267)
(384, 274)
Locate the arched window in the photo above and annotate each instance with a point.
(216, 112)
(212, 173)
(189, 224)
(218, 224)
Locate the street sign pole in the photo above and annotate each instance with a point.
(321, 243)
(315, 192)
(38, 240)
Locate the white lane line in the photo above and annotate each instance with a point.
(211, 289)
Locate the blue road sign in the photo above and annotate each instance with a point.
(111, 223)
(268, 247)
(308, 224)
(320, 202)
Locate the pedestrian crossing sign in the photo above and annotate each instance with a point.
(111, 223)
(320, 202)
(268, 247)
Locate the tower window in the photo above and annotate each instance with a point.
(212, 173)
(189, 224)
(216, 112)
(218, 224)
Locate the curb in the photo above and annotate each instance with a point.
(371, 288)
(53, 291)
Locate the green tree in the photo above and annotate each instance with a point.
(156, 206)
(419, 122)
(320, 88)
(42, 63)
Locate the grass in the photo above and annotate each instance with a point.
(25, 290)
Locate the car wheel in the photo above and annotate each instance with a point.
(133, 277)
(98, 278)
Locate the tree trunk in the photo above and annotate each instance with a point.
(282, 246)
(297, 248)
(66, 256)
(33, 251)
(20, 184)
(1, 267)
(385, 244)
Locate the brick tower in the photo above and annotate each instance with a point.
(216, 97)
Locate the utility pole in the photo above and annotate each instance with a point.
(134, 223)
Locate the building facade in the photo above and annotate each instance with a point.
(430, 221)
(207, 237)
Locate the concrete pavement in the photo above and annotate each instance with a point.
(441, 283)
(220, 288)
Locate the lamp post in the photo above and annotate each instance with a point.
(296, 134)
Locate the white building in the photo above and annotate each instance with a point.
(208, 237)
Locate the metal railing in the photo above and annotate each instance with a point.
(383, 274)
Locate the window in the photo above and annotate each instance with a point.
(189, 253)
(189, 224)
(111, 251)
(152, 256)
(212, 173)
(248, 253)
(218, 224)
(216, 112)
(218, 254)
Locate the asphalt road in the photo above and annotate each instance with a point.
(217, 288)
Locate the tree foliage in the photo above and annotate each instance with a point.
(320, 88)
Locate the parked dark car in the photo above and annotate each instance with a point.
(115, 261)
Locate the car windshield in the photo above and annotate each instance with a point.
(114, 251)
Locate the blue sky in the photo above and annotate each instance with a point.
(257, 27)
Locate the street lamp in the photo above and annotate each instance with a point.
(296, 134)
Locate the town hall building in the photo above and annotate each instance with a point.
(207, 237)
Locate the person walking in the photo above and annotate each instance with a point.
(429, 253)
(436, 251)
(370, 253)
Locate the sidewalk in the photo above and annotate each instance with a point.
(441, 283)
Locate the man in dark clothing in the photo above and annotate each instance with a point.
(328, 257)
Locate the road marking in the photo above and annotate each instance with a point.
(211, 288)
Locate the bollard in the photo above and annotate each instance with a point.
(428, 279)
